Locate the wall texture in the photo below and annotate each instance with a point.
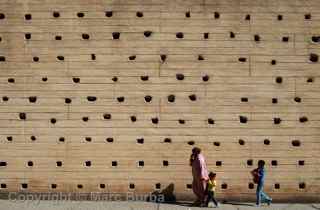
(111, 95)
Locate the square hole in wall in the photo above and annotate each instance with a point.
(140, 163)
(302, 185)
(24, 185)
(157, 186)
(131, 186)
(114, 163)
(277, 186)
(165, 163)
(301, 162)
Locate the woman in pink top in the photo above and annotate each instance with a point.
(200, 175)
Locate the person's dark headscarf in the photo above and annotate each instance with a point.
(195, 152)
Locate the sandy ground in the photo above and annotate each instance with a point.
(135, 205)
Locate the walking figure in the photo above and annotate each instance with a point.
(200, 176)
(211, 190)
(258, 178)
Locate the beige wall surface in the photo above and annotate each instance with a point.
(112, 95)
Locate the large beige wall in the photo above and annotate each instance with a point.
(218, 88)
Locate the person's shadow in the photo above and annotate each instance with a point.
(164, 196)
(167, 196)
(238, 203)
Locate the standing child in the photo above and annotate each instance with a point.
(211, 189)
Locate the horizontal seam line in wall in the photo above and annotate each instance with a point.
(175, 11)
(164, 21)
(156, 60)
(161, 32)
(157, 54)
(154, 26)
(176, 128)
(96, 47)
